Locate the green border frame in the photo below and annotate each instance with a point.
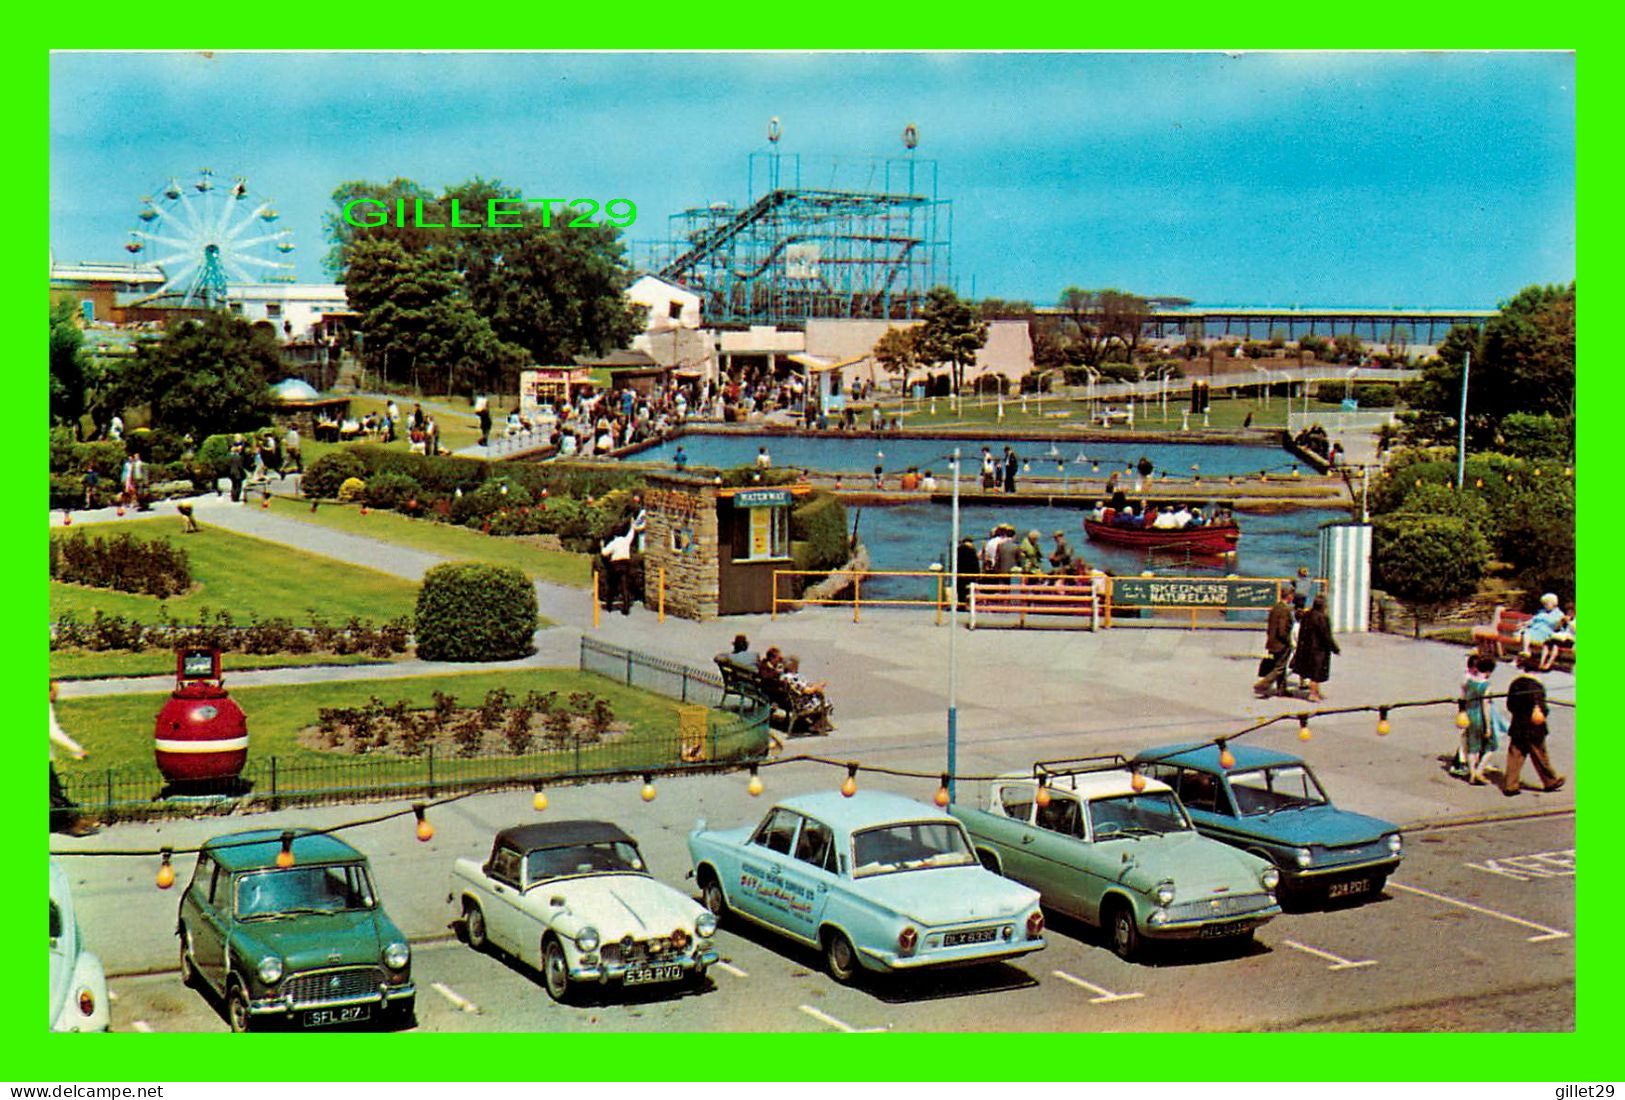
(36, 1056)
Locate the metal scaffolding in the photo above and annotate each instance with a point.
(794, 252)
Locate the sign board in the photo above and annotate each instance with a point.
(762, 498)
(1188, 592)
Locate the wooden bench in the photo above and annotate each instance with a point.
(1499, 639)
(1071, 596)
(798, 708)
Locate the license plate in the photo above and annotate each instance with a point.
(647, 975)
(1344, 889)
(327, 1017)
(1214, 931)
(975, 935)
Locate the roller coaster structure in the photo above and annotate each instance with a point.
(796, 252)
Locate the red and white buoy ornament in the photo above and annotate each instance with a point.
(201, 735)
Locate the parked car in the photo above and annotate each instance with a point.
(575, 899)
(308, 943)
(1127, 861)
(876, 881)
(1270, 804)
(78, 984)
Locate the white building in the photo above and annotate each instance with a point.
(293, 309)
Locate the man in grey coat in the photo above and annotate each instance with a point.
(1278, 644)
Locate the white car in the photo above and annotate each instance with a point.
(575, 900)
(78, 985)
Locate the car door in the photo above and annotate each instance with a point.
(1019, 859)
(505, 922)
(1065, 857)
(210, 927)
(810, 875)
(761, 868)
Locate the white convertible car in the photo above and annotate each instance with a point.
(575, 900)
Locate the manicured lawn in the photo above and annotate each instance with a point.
(84, 664)
(246, 576)
(116, 730)
(1042, 413)
(447, 540)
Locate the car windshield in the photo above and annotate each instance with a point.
(335, 888)
(1266, 790)
(1146, 814)
(910, 846)
(582, 859)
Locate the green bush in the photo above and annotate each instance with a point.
(1376, 395)
(391, 490)
(578, 525)
(329, 472)
(1427, 560)
(1433, 499)
(121, 562)
(467, 611)
(821, 524)
(1537, 437)
(213, 459)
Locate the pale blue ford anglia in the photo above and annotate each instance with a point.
(875, 881)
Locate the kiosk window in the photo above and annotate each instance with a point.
(761, 534)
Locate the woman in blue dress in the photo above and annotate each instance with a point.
(1540, 628)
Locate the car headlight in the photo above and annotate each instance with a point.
(587, 938)
(397, 955)
(705, 925)
(1165, 894)
(1303, 856)
(270, 969)
(1395, 843)
(1270, 877)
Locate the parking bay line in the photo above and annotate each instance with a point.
(839, 1025)
(730, 968)
(142, 1026)
(1337, 962)
(1546, 933)
(461, 1003)
(1104, 996)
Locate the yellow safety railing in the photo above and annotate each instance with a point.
(935, 594)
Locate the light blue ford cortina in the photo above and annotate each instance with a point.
(875, 881)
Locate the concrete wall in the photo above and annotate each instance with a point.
(1008, 351)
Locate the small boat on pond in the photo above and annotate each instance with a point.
(1212, 538)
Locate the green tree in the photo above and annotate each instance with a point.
(204, 377)
(418, 326)
(897, 351)
(952, 333)
(1427, 561)
(69, 367)
(1099, 320)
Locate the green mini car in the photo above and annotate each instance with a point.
(306, 944)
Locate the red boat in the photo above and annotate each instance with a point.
(1209, 539)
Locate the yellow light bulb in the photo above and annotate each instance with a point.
(425, 830)
(754, 787)
(941, 798)
(284, 859)
(648, 792)
(1137, 782)
(1227, 759)
(1303, 732)
(1383, 728)
(1042, 798)
(850, 787)
(539, 801)
(166, 876)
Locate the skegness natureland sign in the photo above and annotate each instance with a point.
(1159, 592)
(372, 213)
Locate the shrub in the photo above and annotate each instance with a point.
(1377, 395)
(329, 472)
(351, 489)
(1427, 560)
(390, 490)
(821, 524)
(1543, 436)
(213, 459)
(467, 611)
(121, 562)
(516, 732)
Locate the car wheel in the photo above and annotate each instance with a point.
(474, 925)
(189, 977)
(840, 957)
(556, 971)
(237, 1014)
(1376, 886)
(1124, 933)
(713, 897)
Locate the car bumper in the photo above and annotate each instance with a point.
(1235, 924)
(616, 971)
(947, 956)
(1314, 878)
(276, 1006)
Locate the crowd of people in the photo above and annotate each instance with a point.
(1120, 513)
(1022, 560)
(1314, 440)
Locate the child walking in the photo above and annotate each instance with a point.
(1478, 736)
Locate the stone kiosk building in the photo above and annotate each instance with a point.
(719, 546)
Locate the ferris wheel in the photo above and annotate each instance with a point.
(204, 234)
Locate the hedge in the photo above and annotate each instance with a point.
(121, 562)
(821, 524)
(330, 471)
(468, 611)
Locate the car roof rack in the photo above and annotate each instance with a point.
(1077, 765)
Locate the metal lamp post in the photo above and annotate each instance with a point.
(1461, 437)
(953, 637)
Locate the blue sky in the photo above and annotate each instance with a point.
(1263, 179)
